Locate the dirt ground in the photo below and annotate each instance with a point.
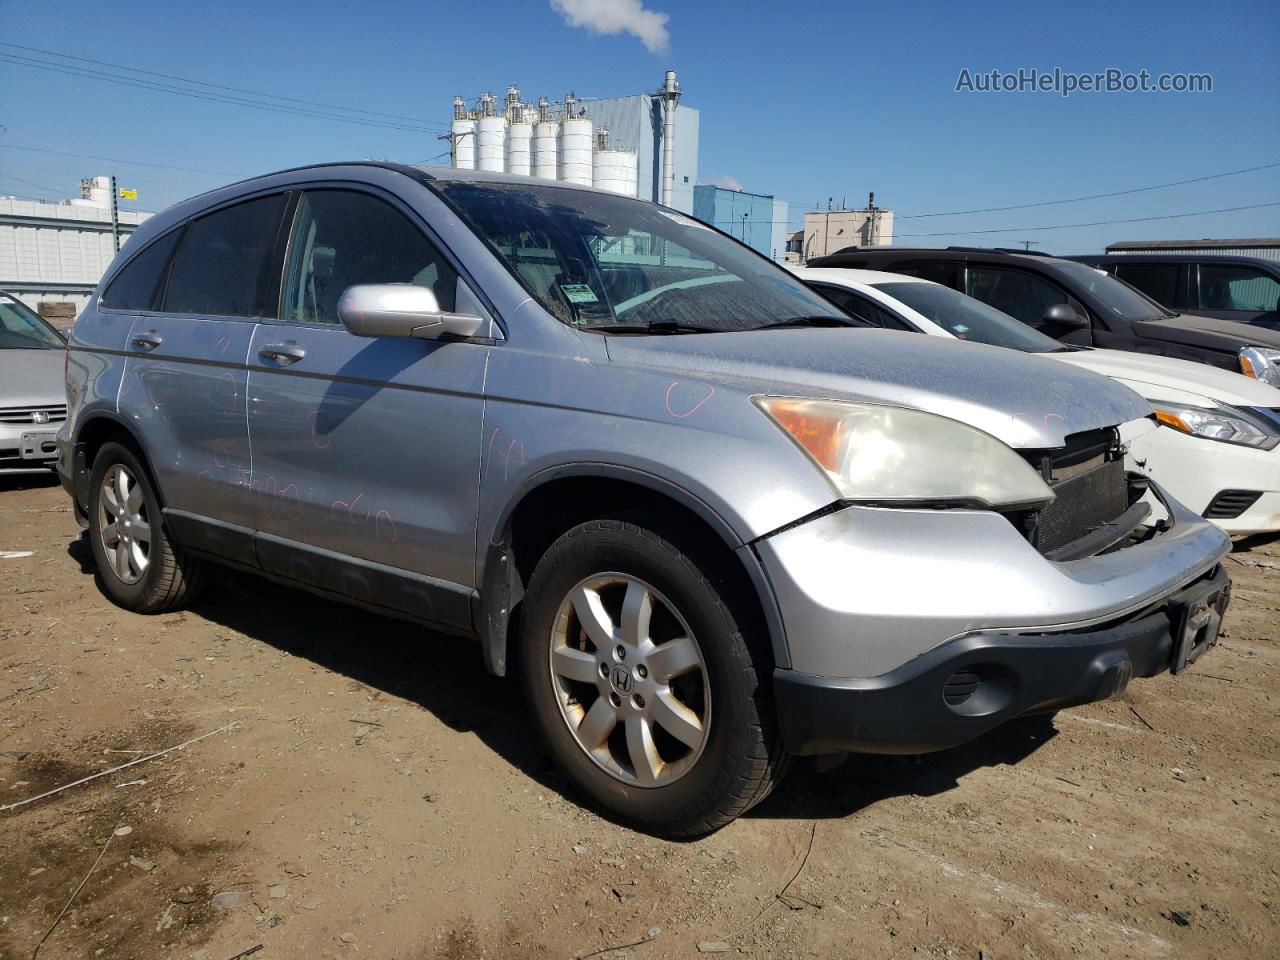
(379, 795)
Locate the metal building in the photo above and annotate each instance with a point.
(56, 252)
(758, 220)
(1266, 248)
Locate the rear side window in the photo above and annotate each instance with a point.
(1159, 281)
(224, 264)
(1237, 288)
(137, 286)
(945, 272)
(342, 238)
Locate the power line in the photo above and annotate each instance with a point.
(1095, 223)
(1093, 196)
(135, 163)
(219, 86)
(75, 71)
(30, 183)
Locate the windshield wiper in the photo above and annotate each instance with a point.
(653, 326)
(814, 321)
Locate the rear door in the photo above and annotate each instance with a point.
(366, 451)
(185, 379)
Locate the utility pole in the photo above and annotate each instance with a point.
(1027, 244)
(453, 139)
(115, 214)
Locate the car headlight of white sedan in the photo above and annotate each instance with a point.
(1261, 363)
(1222, 422)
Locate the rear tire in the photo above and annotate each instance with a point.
(655, 700)
(139, 566)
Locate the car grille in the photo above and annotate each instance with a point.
(1229, 504)
(39, 415)
(1088, 477)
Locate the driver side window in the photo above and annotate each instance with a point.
(1021, 295)
(342, 238)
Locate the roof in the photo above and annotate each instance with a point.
(851, 276)
(1204, 244)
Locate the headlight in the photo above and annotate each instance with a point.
(1228, 424)
(882, 454)
(1261, 363)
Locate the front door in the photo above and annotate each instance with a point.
(366, 451)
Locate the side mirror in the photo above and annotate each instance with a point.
(1064, 316)
(401, 310)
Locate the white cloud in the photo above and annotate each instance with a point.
(618, 16)
(727, 182)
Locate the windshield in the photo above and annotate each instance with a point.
(1116, 295)
(613, 263)
(967, 318)
(20, 329)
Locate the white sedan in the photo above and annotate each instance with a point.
(1221, 453)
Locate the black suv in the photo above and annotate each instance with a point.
(1246, 289)
(1078, 304)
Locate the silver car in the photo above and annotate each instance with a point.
(32, 402)
(634, 461)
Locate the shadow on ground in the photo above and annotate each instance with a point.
(27, 479)
(446, 676)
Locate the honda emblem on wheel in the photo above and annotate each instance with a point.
(622, 680)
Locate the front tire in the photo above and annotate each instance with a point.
(639, 665)
(139, 567)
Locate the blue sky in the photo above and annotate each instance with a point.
(804, 100)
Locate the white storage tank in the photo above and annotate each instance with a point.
(491, 137)
(575, 145)
(614, 170)
(546, 132)
(519, 143)
(463, 130)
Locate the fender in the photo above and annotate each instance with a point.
(502, 587)
(80, 467)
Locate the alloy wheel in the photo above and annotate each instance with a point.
(124, 524)
(630, 680)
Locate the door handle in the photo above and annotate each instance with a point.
(282, 353)
(146, 341)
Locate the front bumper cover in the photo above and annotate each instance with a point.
(964, 688)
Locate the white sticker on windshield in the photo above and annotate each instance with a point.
(578, 293)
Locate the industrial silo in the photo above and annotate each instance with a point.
(520, 120)
(463, 132)
(491, 137)
(575, 145)
(545, 133)
(613, 170)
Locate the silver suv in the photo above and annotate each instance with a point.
(630, 457)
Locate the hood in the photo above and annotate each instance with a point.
(1026, 401)
(1208, 331)
(1166, 378)
(32, 378)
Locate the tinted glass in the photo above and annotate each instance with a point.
(1159, 281)
(1237, 288)
(969, 319)
(945, 272)
(614, 263)
(1022, 296)
(1117, 297)
(860, 307)
(224, 261)
(342, 238)
(21, 329)
(137, 286)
